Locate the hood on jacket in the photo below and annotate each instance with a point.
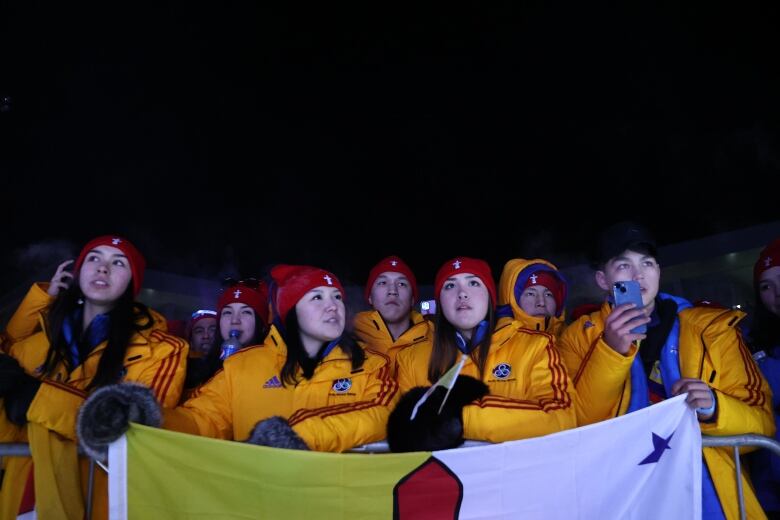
(514, 276)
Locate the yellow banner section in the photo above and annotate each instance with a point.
(174, 475)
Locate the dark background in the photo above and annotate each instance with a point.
(226, 137)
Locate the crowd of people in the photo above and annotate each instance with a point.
(81, 358)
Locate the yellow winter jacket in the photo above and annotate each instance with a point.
(373, 334)
(327, 417)
(506, 296)
(530, 393)
(710, 349)
(153, 358)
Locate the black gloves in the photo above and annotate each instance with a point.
(17, 389)
(276, 433)
(107, 413)
(430, 431)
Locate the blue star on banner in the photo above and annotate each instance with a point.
(659, 445)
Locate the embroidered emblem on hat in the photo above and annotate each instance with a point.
(237, 293)
(502, 370)
(533, 279)
(328, 279)
(394, 263)
(341, 386)
(768, 261)
(456, 264)
(116, 241)
(273, 383)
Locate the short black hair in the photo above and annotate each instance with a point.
(619, 237)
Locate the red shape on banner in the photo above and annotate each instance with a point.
(430, 492)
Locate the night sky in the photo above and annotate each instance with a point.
(227, 136)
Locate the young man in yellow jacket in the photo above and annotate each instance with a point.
(693, 350)
(533, 293)
(392, 325)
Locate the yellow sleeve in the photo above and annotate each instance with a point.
(25, 320)
(744, 399)
(568, 345)
(56, 405)
(546, 407)
(342, 427)
(208, 412)
(598, 372)
(408, 373)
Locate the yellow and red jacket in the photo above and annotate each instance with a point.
(337, 409)
(710, 349)
(373, 334)
(506, 296)
(530, 392)
(153, 358)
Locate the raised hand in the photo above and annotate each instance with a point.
(61, 279)
(617, 328)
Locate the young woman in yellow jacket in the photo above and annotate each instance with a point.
(306, 387)
(525, 392)
(79, 333)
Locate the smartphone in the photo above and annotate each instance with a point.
(629, 292)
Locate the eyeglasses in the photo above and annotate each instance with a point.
(251, 282)
(203, 312)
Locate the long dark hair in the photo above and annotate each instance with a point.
(297, 356)
(445, 349)
(765, 329)
(126, 318)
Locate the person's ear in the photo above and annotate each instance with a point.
(370, 302)
(601, 280)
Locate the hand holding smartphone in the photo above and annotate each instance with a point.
(629, 291)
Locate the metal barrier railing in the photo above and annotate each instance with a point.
(707, 441)
(738, 441)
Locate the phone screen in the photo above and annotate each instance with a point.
(629, 292)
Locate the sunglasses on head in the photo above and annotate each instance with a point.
(251, 282)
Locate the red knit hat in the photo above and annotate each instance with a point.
(293, 281)
(552, 282)
(255, 297)
(466, 265)
(391, 264)
(769, 257)
(134, 257)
